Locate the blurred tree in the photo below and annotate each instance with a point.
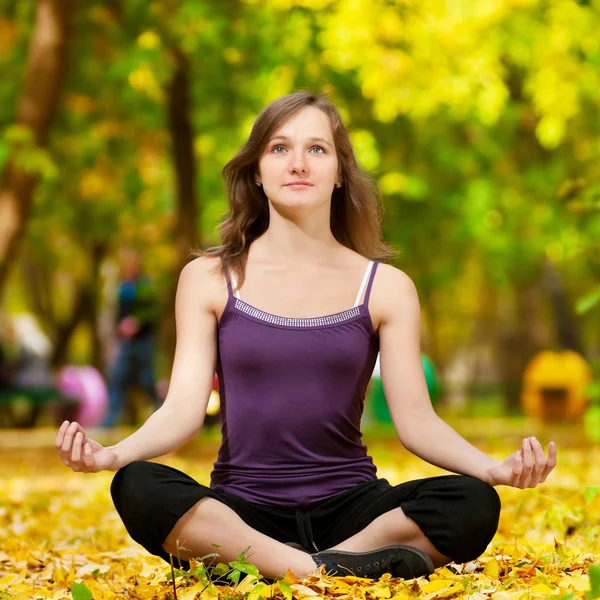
(37, 106)
(477, 119)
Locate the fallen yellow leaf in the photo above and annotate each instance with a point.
(492, 569)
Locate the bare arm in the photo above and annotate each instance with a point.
(182, 414)
(419, 428)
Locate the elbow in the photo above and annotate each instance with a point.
(413, 427)
(186, 422)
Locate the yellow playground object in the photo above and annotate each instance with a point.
(554, 386)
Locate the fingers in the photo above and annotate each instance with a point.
(69, 436)
(60, 436)
(76, 452)
(540, 461)
(60, 443)
(71, 442)
(531, 466)
(517, 469)
(528, 463)
(88, 456)
(550, 463)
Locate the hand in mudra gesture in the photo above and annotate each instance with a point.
(82, 454)
(526, 467)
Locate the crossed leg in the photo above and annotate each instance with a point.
(210, 522)
(392, 527)
(463, 512)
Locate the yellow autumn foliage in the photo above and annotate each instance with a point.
(59, 527)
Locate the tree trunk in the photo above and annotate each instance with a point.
(522, 337)
(182, 139)
(37, 106)
(97, 253)
(182, 136)
(65, 331)
(567, 332)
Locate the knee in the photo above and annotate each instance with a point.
(127, 488)
(476, 521)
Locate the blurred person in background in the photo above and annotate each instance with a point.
(137, 316)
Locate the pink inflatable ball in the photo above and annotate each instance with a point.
(86, 387)
(68, 383)
(94, 400)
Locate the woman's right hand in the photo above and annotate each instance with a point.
(82, 454)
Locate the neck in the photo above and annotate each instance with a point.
(298, 241)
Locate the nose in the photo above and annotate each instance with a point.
(298, 163)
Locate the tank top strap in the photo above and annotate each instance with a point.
(232, 285)
(371, 279)
(230, 279)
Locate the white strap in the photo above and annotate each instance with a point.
(363, 284)
(233, 280)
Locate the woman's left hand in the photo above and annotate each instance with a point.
(524, 468)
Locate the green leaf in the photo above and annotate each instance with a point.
(588, 302)
(176, 572)
(286, 589)
(80, 591)
(245, 567)
(568, 596)
(200, 573)
(220, 569)
(591, 491)
(234, 576)
(594, 575)
(256, 594)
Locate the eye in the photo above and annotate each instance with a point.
(275, 148)
(320, 148)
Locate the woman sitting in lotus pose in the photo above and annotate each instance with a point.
(290, 311)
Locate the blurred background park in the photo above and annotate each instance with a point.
(478, 119)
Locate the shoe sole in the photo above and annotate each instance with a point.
(399, 560)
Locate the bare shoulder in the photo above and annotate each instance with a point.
(201, 279)
(394, 294)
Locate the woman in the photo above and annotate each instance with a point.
(292, 480)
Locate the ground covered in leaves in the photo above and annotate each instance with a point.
(60, 536)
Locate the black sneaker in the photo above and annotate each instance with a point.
(401, 561)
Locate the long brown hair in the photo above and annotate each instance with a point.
(355, 207)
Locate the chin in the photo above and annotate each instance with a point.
(297, 203)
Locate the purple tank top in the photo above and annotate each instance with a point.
(292, 396)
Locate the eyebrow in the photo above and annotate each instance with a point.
(312, 139)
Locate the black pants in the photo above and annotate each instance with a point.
(458, 514)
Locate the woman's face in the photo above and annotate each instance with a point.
(299, 166)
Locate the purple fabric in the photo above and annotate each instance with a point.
(292, 396)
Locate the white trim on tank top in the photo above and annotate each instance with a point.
(361, 290)
(363, 285)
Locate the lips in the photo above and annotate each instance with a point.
(298, 184)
